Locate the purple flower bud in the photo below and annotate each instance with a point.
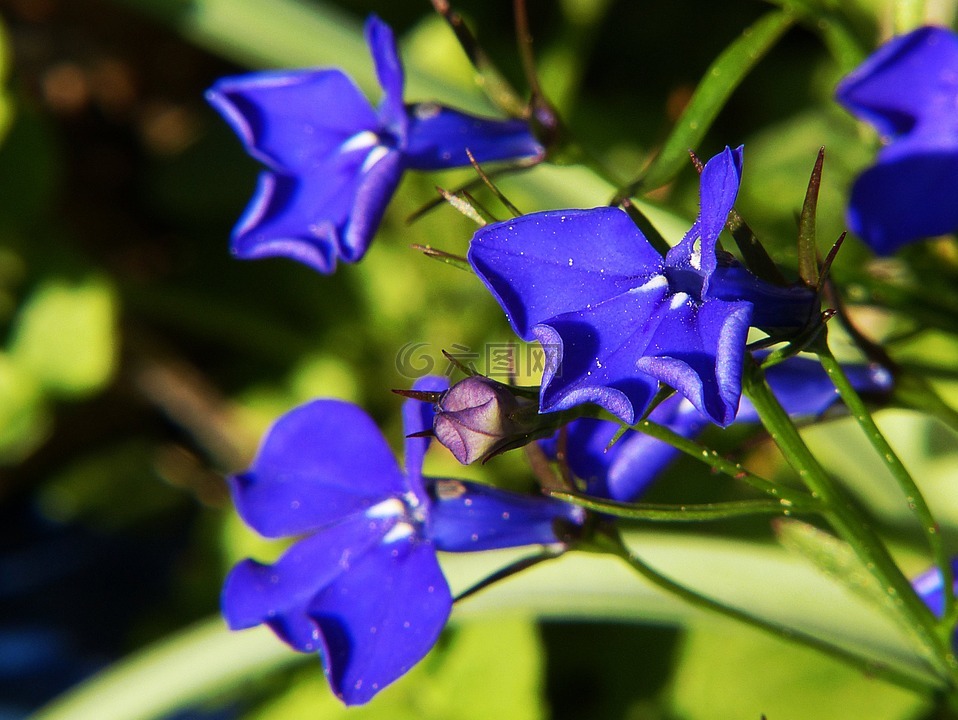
(478, 418)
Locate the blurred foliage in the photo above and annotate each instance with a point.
(139, 362)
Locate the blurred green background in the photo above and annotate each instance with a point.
(139, 362)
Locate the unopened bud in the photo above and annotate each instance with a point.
(477, 418)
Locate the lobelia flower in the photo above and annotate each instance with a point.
(908, 89)
(363, 587)
(333, 160)
(615, 318)
(626, 469)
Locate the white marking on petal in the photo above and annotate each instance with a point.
(695, 257)
(678, 300)
(360, 141)
(653, 283)
(928, 583)
(393, 507)
(400, 531)
(375, 155)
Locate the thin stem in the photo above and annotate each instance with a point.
(728, 467)
(524, 38)
(916, 502)
(655, 512)
(869, 667)
(849, 522)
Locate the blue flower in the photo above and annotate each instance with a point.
(626, 469)
(363, 587)
(614, 318)
(334, 161)
(908, 89)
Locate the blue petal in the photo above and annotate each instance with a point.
(773, 306)
(291, 120)
(467, 516)
(542, 265)
(718, 189)
(626, 469)
(931, 589)
(804, 389)
(382, 45)
(381, 617)
(439, 137)
(912, 193)
(279, 595)
(320, 463)
(909, 82)
(332, 212)
(376, 184)
(698, 349)
(599, 347)
(417, 417)
(275, 224)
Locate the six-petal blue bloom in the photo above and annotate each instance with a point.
(334, 161)
(908, 89)
(364, 587)
(615, 318)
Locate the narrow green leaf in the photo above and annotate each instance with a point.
(753, 252)
(720, 80)
(833, 557)
(645, 225)
(807, 246)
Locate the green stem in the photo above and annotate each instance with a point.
(615, 546)
(916, 502)
(849, 523)
(713, 459)
(688, 513)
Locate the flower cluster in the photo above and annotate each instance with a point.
(629, 332)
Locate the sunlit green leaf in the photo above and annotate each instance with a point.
(468, 676)
(774, 679)
(66, 337)
(24, 416)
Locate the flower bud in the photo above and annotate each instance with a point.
(478, 418)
